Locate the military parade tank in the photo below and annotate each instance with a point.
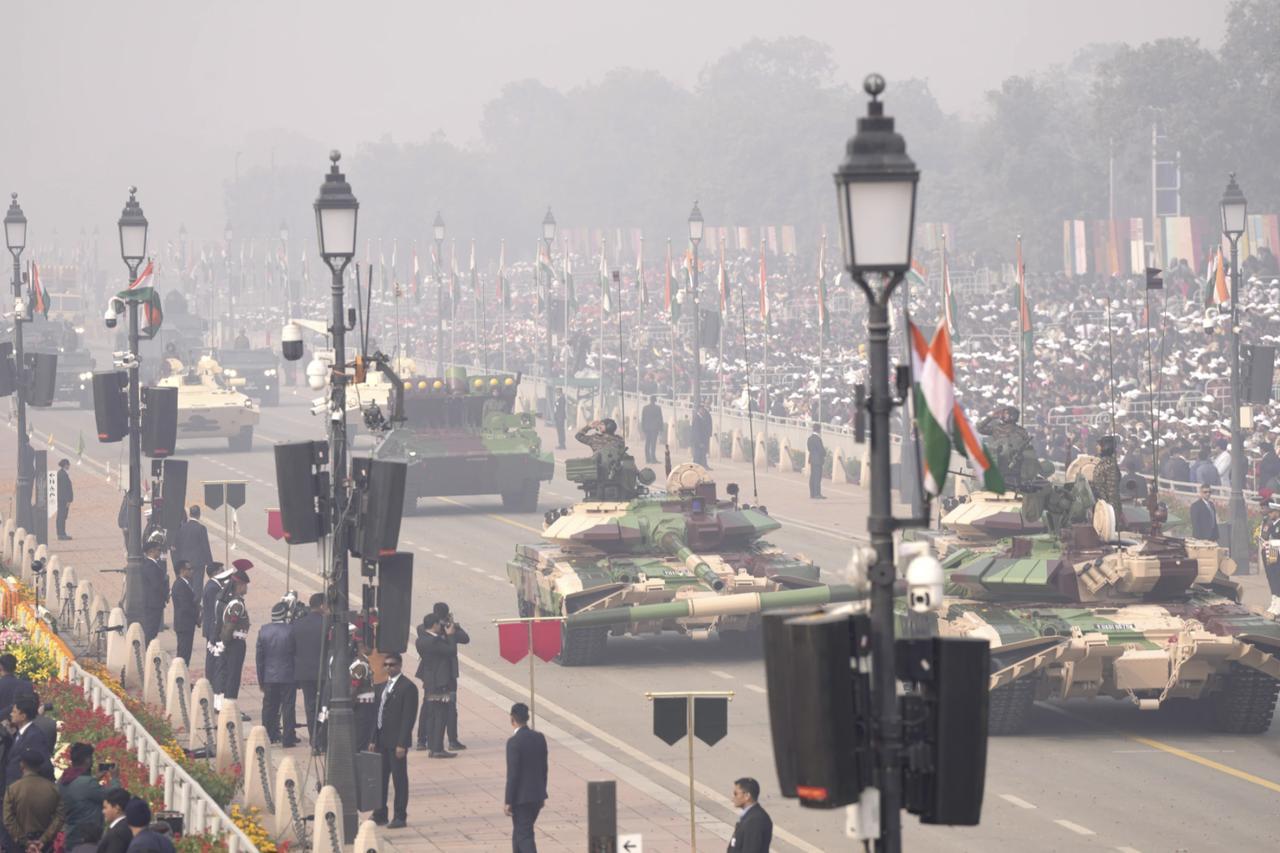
(461, 436)
(259, 368)
(627, 561)
(1084, 610)
(211, 405)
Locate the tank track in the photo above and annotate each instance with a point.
(582, 646)
(1010, 706)
(1246, 703)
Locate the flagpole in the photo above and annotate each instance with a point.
(604, 292)
(622, 363)
(671, 316)
(1022, 343)
(720, 343)
(502, 299)
(764, 283)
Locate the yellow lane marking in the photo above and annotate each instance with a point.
(494, 516)
(1207, 762)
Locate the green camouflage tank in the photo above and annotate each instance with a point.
(628, 561)
(461, 436)
(1083, 610)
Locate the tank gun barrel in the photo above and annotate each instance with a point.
(673, 546)
(715, 605)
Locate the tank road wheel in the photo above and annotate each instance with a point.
(243, 442)
(524, 499)
(1009, 707)
(1246, 702)
(582, 646)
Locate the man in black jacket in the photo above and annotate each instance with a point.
(118, 836)
(25, 735)
(1204, 518)
(754, 830)
(65, 496)
(191, 543)
(11, 686)
(155, 586)
(651, 425)
(396, 701)
(459, 637)
(186, 610)
(438, 655)
(817, 461)
(526, 791)
(275, 652)
(701, 429)
(308, 633)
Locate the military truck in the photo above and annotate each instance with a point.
(1084, 610)
(626, 561)
(211, 405)
(461, 437)
(259, 368)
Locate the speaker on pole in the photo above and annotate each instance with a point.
(395, 595)
(159, 421)
(301, 485)
(42, 368)
(382, 505)
(110, 405)
(8, 376)
(173, 495)
(1258, 366)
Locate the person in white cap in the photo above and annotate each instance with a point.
(219, 577)
(233, 632)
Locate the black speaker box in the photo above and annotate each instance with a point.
(159, 421)
(946, 714)
(709, 329)
(173, 495)
(298, 485)
(111, 405)
(1258, 365)
(395, 596)
(378, 527)
(819, 705)
(8, 377)
(42, 370)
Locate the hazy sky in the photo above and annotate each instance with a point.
(163, 93)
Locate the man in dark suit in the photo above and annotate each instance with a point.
(526, 780)
(754, 830)
(396, 701)
(118, 836)
(438, 654)
(155, 586)
(191, 543)
(274, 656)
(1204, 517)
(701, 429)
(308, 633)
(25, 735)
(560, 414)
(459, 637)
(817, 461)
(651, 424)
(186, 611)
(65, 495)
(11, 686)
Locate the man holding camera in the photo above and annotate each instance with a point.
(438, 656)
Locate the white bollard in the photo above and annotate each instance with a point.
(156, 666)
(366, 838)
(257, 760)
(785, 462)
(15, 547)
(135, 656)
(52, 579)
(117, 646)
(288, 796)
(204, 720)
(328, 822)
(176, 686)
(839, 468)
(81, 598)
(28, 552)
(98, 607)
(762, 454)
(230, 748)
(737, 453)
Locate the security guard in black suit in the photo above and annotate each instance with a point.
(396, 704)
(754, 831)
(186, 611)
(155, 585)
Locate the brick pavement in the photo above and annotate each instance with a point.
(454, 805)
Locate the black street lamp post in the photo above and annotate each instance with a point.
(133, 250)
(437, 231)
(15, 235)
(695, 238)
(876, 185)
(1234, 216)
(336, 210)
(549, 237)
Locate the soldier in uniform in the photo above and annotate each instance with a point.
(218, 579)
(1106, 475)
(601, 434)
(1270, 532)
(1010, 447)
(233, 632)
(362, 690)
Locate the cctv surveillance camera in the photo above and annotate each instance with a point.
(291, 341)
(924, 584)
(317, 374)
(109, 318)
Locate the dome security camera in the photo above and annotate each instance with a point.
(291, 341)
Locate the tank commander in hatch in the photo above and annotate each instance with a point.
(601, 434)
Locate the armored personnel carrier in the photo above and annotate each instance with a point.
(1084, 610)
(259, 368)
(628, 561)
(461, 436)
(211, 405)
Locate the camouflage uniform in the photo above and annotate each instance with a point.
(1271, 530)
(1106, 482)
(1010, 449)
(598, 441)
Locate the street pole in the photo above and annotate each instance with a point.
(439, 309)
(26, 460)
(1236, 508)
(697, 340)
(134, 594)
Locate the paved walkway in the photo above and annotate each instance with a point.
(455, 805)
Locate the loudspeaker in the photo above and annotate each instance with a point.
(382, 503)
(8, 377)
(819, 704)
(299, 484)
(173, 495)
(111, 405)
(1258, 366)
(42, 370)
(709, 329)
(159, 421)
(395, 595)
(945, 717)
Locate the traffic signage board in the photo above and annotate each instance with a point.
(631, 842)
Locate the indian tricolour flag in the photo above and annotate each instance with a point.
(940, 421)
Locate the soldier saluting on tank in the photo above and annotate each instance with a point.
(1010, 447)
(601, 434)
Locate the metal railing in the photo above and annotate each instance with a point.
(182, 793)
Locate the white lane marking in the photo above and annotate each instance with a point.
(755, 688)
(476, 569)
(720, 673)
(458, 563)
(1074, 827)
(411, 544)
(496, 578)
(1128, 850)
(1017, 801)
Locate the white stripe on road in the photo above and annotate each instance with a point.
(476, 569)
(1128, 850)
(1074, 827)
(1017, 801)
(720, 673)
(498, 579)
(755, 688)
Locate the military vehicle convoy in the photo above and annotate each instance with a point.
(1075, 608)
(461, 436)
(259, 368)
(628, 561)
(211, 405)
